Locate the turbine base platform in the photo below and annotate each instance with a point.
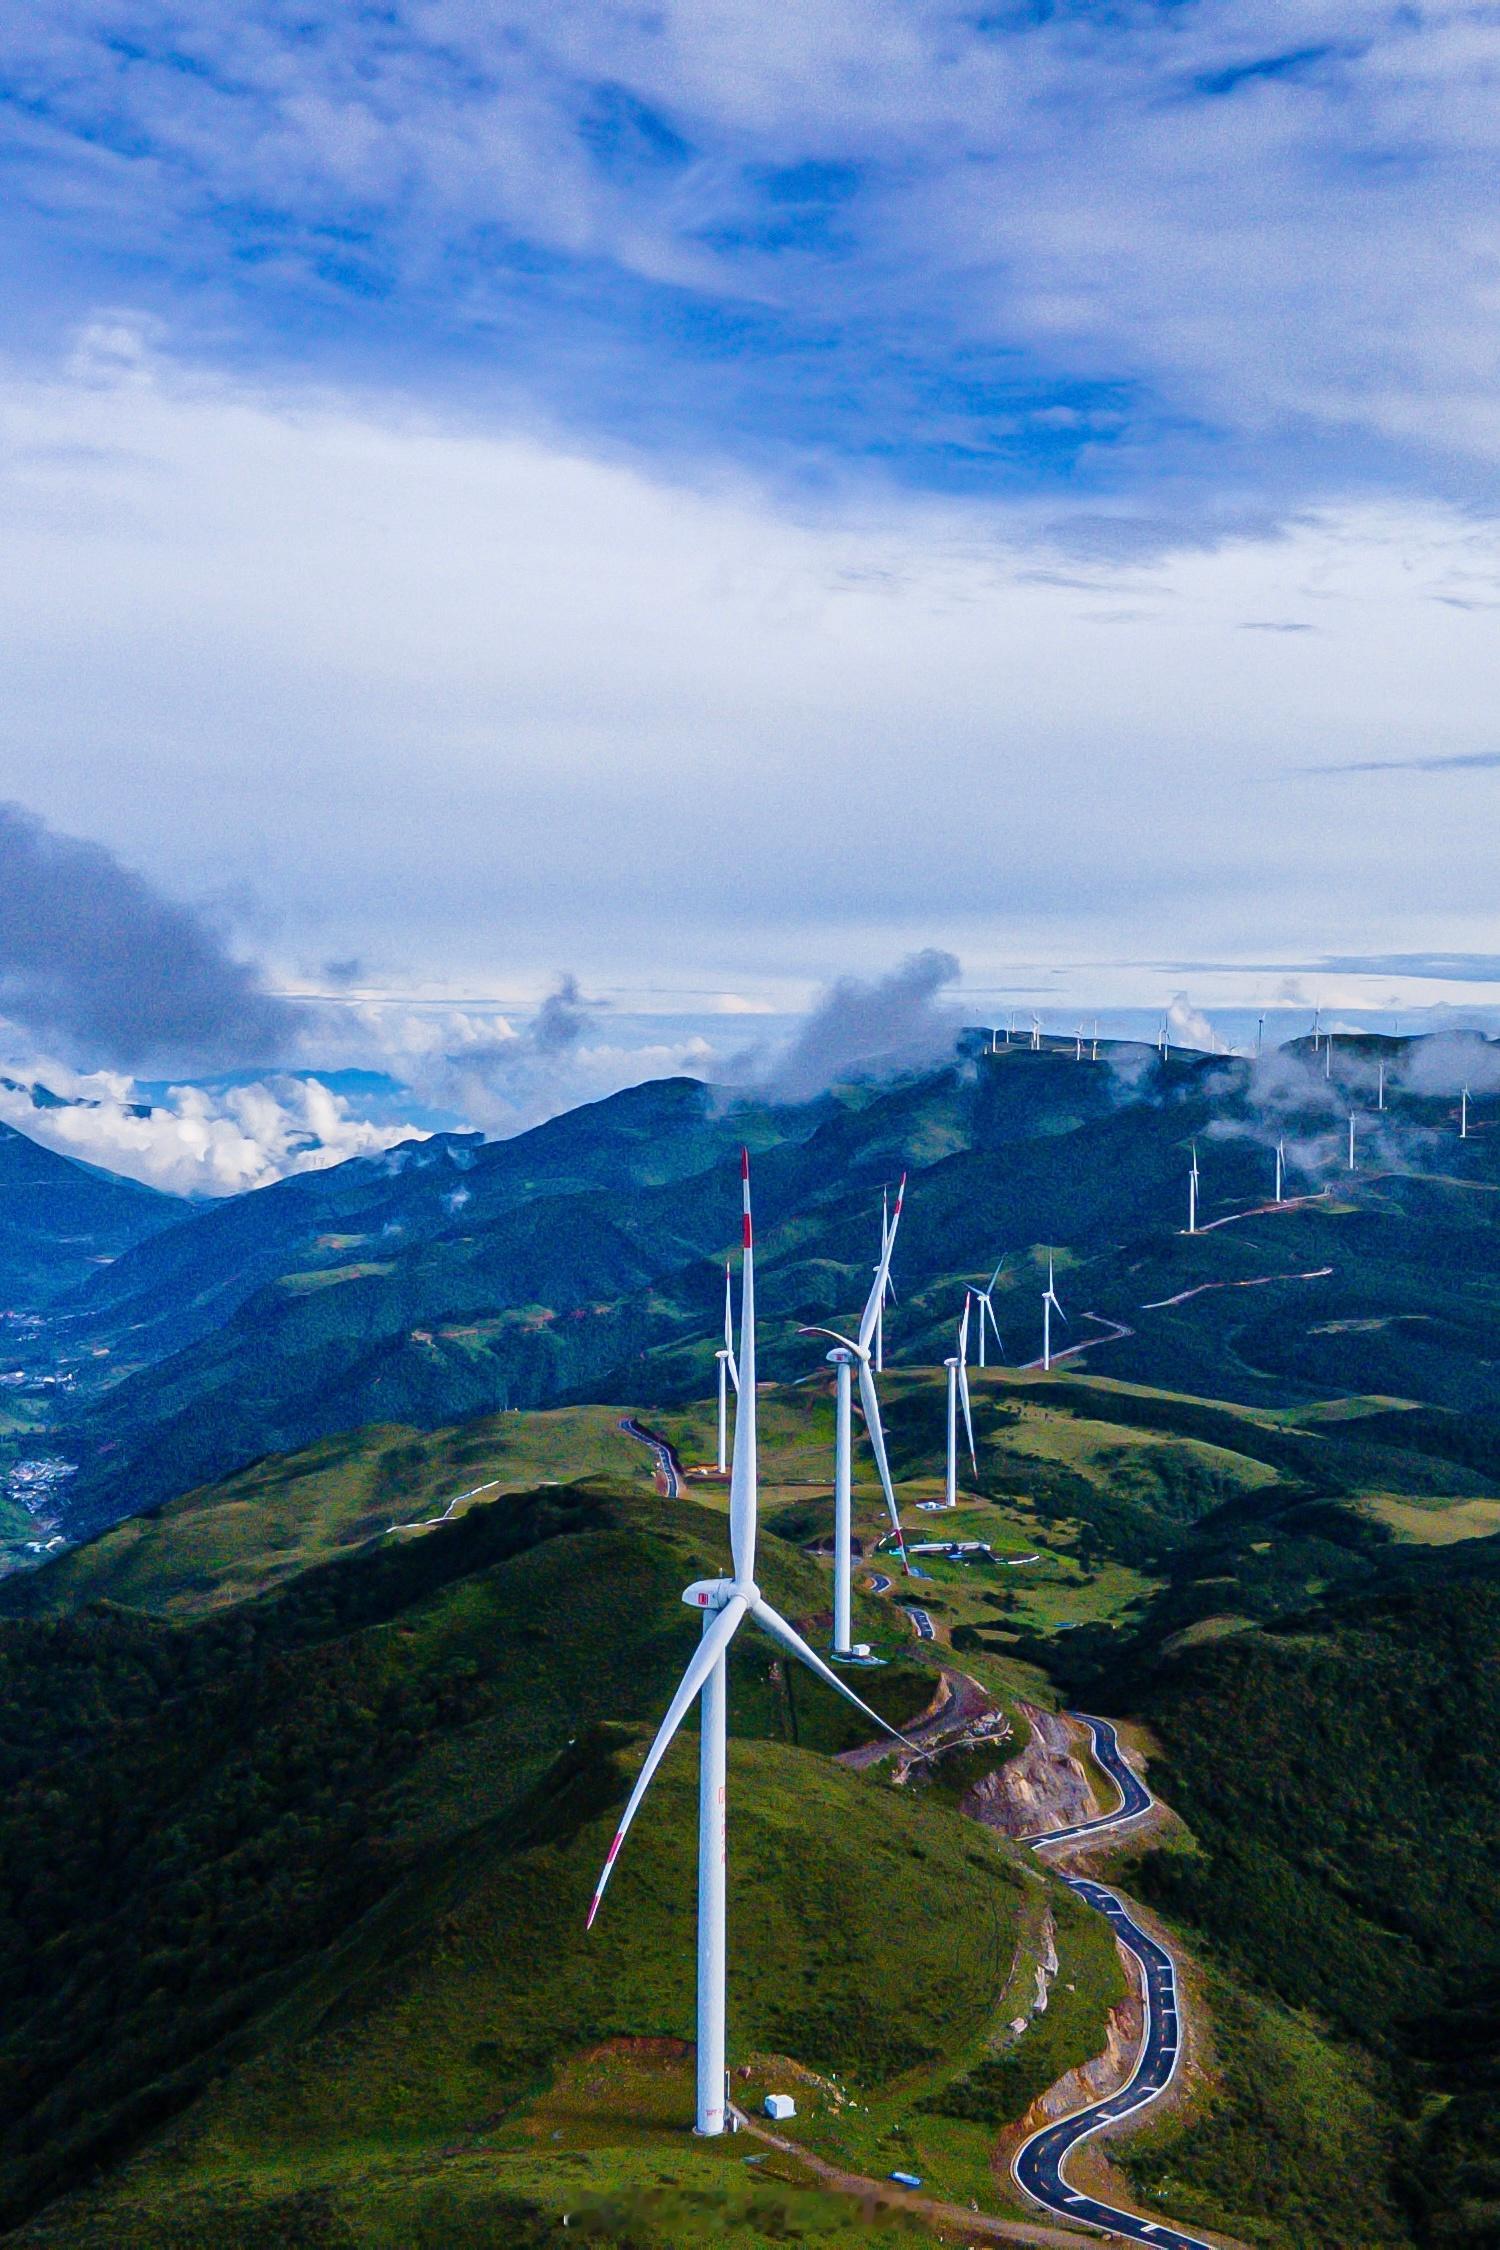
(853, 1663)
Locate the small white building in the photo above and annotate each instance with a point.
(780, 2106)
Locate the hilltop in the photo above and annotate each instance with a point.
(583, 1261)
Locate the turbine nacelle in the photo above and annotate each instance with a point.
(713, 1593)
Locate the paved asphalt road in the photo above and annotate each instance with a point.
(922, 1622)
(668, 1467)
(1038, 2163)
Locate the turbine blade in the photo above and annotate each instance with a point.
(871, 1405)
(963, 1393)
(742, 1471)
(963, 1333)
(705, 1656)
(995, 1276)
(847, 1341)
(876, 1297)
(773, 1623)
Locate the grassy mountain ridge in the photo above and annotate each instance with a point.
(308, 1875)
(546, 1287)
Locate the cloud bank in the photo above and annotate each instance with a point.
(194, 1140)
(871, 1027)
(90, 951)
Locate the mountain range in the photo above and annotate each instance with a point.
(315, 1733)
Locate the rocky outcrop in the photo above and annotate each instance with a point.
(1043, 1786)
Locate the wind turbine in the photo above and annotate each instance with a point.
(1463, 1115)
(1036, 1034)
(1380, 1088)
(1351, 1140)
(1317, 1018)
(1078, 1045)
(1260, 1036)
(1161, 1040)
(725, 1603)
(1328, 1054)
(1280, 1169)
(987, 1311)
(728, 1372)
(1050, 1306)
(855, 1352)
(1192, 1225)
(889, 1289)
(958, 1389)
(1094, 1057)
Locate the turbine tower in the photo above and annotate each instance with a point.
(725, 1603)
(958, 1389)
(860, 1349)
(1280, 1169)
(1380, 1088)
(1050, 1306)
(1463, 1115)
(1036, 1034)
(728, 1373)
(842, 1361)
(1351, 1140)
(1192, 1225)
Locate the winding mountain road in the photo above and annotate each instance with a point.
(1037, 2166)
(670, 1476)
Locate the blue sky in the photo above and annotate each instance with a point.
(1202, 260)
(711, 497)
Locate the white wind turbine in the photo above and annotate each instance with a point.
(1280, 1169)
(725, 1603)
(1351, 1140)
(958, 1389)
(728, 1372)
(1050, 1306)
(1192, 1225)
(889, 1288)
(855, 1352)
(1463, 1115)
(1036, 1034)
(984, 1299)
(1380, 1088)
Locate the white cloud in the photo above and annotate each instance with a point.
(479, 705)
(193, 1140)
(1269, 216)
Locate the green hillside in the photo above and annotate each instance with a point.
(62, 1222)
(293, 1894)
(584, 1261)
